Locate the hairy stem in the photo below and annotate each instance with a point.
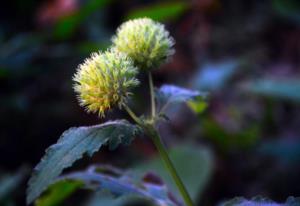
(153, 109)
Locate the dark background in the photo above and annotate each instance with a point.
(245, 53)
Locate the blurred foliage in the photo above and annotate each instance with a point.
(195, 172)
(9, 183)
(229, 141)
(279, 89)
(285, 151)
(245, 53)
(101, 198)
(288, 8)
(214, 76)
(118, 187)
(17, 52)
(159, 12)
(66, 26)
(58, 192)
(261, 201)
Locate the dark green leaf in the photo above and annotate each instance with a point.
(284, 89)
(58, 192)
(71, 146)
(160, 11)
(194, 165)
(261, 201)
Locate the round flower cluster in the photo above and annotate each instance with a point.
(147, 42)
(105, 79)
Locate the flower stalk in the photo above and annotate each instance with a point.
(151, 131)
(151, 87)
(169, 165)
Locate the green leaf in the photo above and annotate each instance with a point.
(261, 201)
(121, 186)
(58, 192)
(284, 89)
(170, 94)
(159, 12)
(194, 166)
(71, 146)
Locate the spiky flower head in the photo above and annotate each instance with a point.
(147, 42)
(104, 80)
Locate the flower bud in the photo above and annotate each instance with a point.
(104, 80)
(147, 42)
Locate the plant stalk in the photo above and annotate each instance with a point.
(153, 109)
(151, 131)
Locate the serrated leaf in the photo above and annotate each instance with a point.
(261, 201)
(170, 94)
(284, 89)
(70, 147)
(122, 186)
(194, 165)
(58, 192)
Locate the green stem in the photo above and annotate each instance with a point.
(133, 116)
(169, 165)
(150, 130)
(153, 109)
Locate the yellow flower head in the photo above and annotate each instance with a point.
(147, 42)
(104, 80)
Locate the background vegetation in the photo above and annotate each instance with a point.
(244, 53)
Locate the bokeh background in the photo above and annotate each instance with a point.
(246, 54)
